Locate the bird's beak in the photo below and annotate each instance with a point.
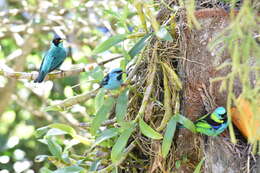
(61, 41)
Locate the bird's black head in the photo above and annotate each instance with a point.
(57, 41)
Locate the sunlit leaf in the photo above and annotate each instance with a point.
(68, 92)
(106, 134)
(168, 136)
(164, 34)
(55, 132)
(115, 170)
(54, 147)
(45, 170)
(69, 169)
(139, 45)
(121, 106)
(102, 114)
(118, 148)
(41, 131)
(148, 131)
(63, 127)
(109, 43)
(82, 139)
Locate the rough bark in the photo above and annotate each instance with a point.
(198, 69)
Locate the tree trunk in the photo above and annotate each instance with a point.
(196, 69)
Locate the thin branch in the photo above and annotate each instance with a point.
(106, 123)
(72, 101)
(56, 74)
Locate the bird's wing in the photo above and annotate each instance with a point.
(57, 61)
(203, 124)
(46, 62)
(44, 57)
(105, 80)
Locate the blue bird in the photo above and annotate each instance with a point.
(214, 123)
(113, 80)
(53, 59)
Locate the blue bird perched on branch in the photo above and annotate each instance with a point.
(113, 80)
(53, 59)
(214, 123)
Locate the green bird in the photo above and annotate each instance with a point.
(53, 59)
(214, 123)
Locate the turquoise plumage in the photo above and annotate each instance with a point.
(52, 59)
(113, 80)
(214, 123)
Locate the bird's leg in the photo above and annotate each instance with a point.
(207, 98)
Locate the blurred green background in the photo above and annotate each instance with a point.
(27, 27)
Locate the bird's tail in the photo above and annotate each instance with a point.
(40, 77)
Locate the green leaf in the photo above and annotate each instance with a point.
(97, 74)
(106, 134)
(41, 131)
(121, 106)
(164, 34)
(94, 165)
(198, 167)
(54, 147)
(52, 108)
(118, 148)
(45, 170)
(178, 164)
(168, 136)
(55, 132)
(112, 13)
(148, 131)
(186, 122)
(69, 169)
(102, 114)
(139, 45)
(64, 127)
(99, 99)
(82, 139)
(109, 43)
